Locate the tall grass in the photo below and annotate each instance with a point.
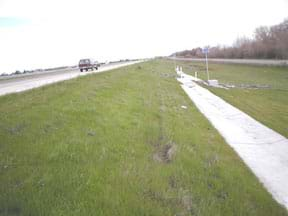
(87, 146)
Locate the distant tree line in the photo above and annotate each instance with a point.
(267, 43)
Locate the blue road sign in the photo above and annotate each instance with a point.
(205, 50)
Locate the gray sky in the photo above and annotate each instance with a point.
(40, 34)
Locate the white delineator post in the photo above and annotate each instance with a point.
(179, 71)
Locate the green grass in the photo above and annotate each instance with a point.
(267, 105)
(87, 146)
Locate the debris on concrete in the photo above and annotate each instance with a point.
(213, 83)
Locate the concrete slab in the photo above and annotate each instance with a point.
(263, 150)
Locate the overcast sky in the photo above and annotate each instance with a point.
(40, 34)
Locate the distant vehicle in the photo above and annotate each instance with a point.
(86, 64)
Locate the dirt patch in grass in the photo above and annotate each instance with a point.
(211, 160)
(91, 133)
(186, 202)
(17, 129)
(160, 198)
(165, 153)
(15, 210)
(182, 200)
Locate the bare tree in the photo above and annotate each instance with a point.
(268, 42)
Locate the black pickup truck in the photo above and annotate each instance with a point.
(86, 64)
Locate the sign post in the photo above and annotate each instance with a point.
(206, 51)
(174, 60)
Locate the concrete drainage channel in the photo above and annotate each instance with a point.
(263, 150)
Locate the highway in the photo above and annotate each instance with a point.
(23, 82)
(237, 61)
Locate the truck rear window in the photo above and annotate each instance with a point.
(84, 61)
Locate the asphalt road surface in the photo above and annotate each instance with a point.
(18, 83)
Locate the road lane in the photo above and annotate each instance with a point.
(26, 82)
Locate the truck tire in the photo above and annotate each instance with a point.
(81, 70)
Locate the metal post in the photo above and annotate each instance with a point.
(207, 67)
(174, 60)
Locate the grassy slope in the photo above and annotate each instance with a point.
(85, 147)
(269, 106)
